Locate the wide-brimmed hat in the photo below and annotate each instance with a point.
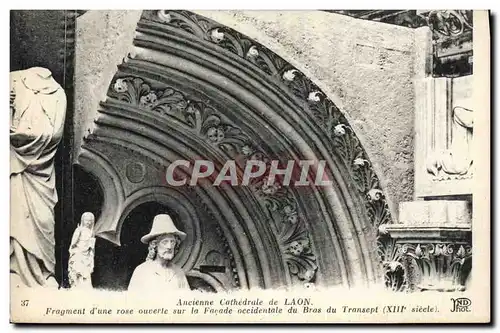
(162, 225)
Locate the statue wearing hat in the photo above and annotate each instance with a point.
(158, 272)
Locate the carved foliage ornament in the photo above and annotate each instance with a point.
(448, 23)
(440, 266)
(452, 41)
(314, 102)
(206, 121)
(209, 123)
(425, 266)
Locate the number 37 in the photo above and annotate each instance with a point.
(25, 302)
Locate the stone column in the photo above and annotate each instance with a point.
(431, 243)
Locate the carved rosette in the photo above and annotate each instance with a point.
(207, 122)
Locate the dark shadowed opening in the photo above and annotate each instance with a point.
(114, 265)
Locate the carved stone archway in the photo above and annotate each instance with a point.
(194, 89)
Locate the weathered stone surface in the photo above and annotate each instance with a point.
(103, 39)
(365, 67)
(435, 213)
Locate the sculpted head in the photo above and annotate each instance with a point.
(164, 247)
(87, 220)
(163, 240)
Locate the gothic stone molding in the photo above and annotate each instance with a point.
(156, 95)
(292, 234)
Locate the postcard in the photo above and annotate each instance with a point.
(239, 166)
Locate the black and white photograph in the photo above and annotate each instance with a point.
(246, 166)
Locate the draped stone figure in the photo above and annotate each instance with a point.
(81, 253)
(459, 158)
(456, 160)
(37, 113)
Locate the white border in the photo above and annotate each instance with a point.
(185, 4)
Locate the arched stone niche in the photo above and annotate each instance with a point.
(201, 248)
(194, 89)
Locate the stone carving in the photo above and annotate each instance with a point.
(313, 100)
(458, 159)
(344, 142)
(81, 253)
(430, 246)
(135, 172)
(292, 232)
(37, 113)
(229, 254)
(413, 267)
(395, 274)
(452, 41)
(440, 266)
(208, 122)
(444, 132)
(448, 22)
(158, 272)
(135, 91)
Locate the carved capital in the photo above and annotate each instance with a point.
(430, 249)
(437, 266)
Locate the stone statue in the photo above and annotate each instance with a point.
(81, 253)
(37, 113)
(158, 273)
(456, 160)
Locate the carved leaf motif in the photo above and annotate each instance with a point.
(129, 90)
(393, 266)
(301, 261)
(292, 235)
(348, 149)
(279, 65)
(301, 87)
(263, 62)
(327, 114)
(170, 102)
(363, 175)
(436, 266)
(190, 22)
(346, 146)
(137, 92)
(233, 142)
(193, 116)
(378, 212)
(234, 43)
